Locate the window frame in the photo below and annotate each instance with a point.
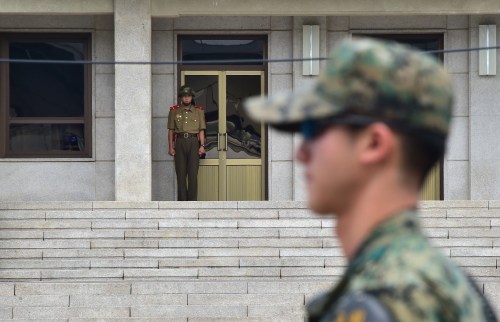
(6, 120)
(222, 67)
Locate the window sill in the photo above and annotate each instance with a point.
(51, 159)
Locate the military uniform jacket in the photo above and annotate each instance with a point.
(397, 276)
(190, 120)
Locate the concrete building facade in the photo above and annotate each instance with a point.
(128, 159)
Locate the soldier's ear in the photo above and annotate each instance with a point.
(376, 143)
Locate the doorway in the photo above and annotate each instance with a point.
(234, 165)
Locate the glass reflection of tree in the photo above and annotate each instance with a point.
(242, 135)
(207, 97)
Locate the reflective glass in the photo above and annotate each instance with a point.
(423, 42)
(222, 49)
(46, 137)
(46, 90)
(244, 134)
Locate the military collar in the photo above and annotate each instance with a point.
(184, 108)
(372, 249)
(405, 222)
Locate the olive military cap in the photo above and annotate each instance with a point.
(186, 91)
(369, 79)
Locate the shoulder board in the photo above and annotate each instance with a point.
(199, 107)
(174, 107)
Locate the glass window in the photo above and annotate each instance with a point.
(47, 110)
(46, 137)
(244, 134)
(424, 42)
(200, 49)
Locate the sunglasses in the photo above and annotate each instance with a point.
(313, 128)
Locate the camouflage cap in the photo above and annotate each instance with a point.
(383, 80)
(186, 90)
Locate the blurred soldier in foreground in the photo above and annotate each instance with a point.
(374, 124)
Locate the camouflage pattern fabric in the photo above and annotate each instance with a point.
(367, 77)
(397, 270)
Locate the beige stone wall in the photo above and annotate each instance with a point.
(484, 117)
(133, 131)
(176, 8)
(471, 164)
(104, 93)
(69, 179)
(164, 85)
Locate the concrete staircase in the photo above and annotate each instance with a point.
(199, 261)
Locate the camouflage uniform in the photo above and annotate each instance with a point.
(395, 275)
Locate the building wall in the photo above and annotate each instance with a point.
(104, 90)
(484, 120)
(69, 179)
(471, 165)
(280, 145)
(164, 86)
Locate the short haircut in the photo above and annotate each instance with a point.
(418, 154)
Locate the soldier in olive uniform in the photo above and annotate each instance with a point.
(374, 124)
(186, 142)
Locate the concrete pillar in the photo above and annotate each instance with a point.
(301, 81)
(484, 119)
(456, 167)
(133, 101)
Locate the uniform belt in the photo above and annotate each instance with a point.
(186, 135)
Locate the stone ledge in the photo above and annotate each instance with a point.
(272, 204)
(454, 204)
(198, 205)
(49, 205)
(125, 205)
(286, 206)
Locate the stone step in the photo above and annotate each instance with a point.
(199, 261)
(45, 248)
(205, 301)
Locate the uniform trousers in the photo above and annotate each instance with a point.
(187, 161)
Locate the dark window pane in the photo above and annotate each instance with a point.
(223, 49)
(46, 137)
(244, 134)
(46, 90)
(423, 42)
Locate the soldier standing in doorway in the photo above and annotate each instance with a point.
(373, 125)
(186, 142)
